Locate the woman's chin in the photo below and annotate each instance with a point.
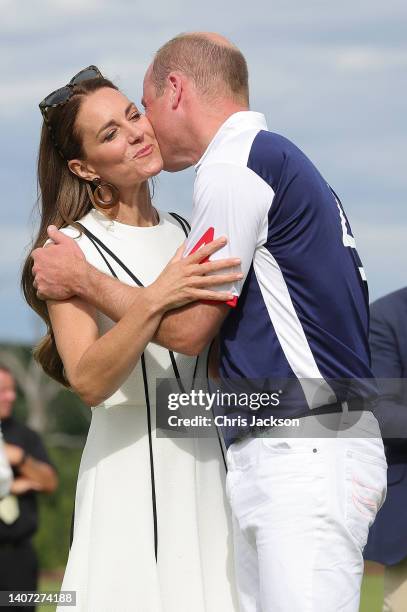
(154, 169)
(140, 176)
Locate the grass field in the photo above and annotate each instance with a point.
(46, 585)
(371, 601)
(372, 594)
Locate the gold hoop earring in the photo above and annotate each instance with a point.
(98, 196)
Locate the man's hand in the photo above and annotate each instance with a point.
(14, 453)
(59, 268)
(23, 485)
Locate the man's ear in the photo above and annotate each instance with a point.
(176, 89)
(81, 169)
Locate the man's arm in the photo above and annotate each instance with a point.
(391, 412)
(184, 330)
(188, 330)
(61, 272)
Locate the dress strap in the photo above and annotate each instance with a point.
(99, 245)
(97, 242)
(183, 222)
(150, 446)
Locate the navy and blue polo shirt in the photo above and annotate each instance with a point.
(302, 307)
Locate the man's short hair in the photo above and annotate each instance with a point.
(217, 70)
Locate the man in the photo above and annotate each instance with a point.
(33, 472)
(388, 539)
(300, 313)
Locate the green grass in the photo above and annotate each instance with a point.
(372, 593)
(371, 600)
(47, 585)
(55, 511)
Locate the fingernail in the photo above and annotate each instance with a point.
(52, 227)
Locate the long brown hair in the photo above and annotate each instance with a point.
(63, 199)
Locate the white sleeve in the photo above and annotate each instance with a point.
(231, 201)
(6, 475)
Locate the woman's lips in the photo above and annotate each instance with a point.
(144, 151)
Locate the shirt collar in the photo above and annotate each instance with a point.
(238, 122)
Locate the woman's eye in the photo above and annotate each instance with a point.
(109, 136)
(135, 116)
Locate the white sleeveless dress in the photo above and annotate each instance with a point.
(112, 564)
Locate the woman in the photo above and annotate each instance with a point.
(150, 529)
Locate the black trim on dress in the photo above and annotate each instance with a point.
(99, 246)
(183, 222)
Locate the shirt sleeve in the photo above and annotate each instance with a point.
(231, 201)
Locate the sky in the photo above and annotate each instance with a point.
(330, 76)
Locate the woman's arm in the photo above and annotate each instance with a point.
(62, 272)
(97, 366)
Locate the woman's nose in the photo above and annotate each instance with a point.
(136, 133)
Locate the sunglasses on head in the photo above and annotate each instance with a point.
(63, 94)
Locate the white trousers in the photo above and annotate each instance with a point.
(302, 508)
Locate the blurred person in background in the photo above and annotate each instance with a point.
(6, 475)
(32, 473)
(387, 543)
